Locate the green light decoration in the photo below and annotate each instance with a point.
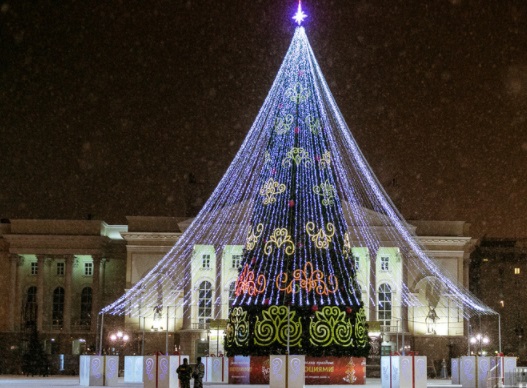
(237, 330)
(275, 325)
(361, 334)
(331, 326)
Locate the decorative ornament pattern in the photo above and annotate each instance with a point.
(253, 236)
(327, 191)
(248, 283)
(297, 93)
(237, 330)
(280, 237)
(282, 124)
(321, 239)
(308, 279)
(270, 190)
(331, 326)
(313, 124)
(325, 160)
(297, 155)
(275, 325)
(361, 336)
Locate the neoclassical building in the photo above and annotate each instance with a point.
(57, 274)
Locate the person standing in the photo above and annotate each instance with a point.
(184, 373)
(198, 374)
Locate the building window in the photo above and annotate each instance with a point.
(205, 261)
(384, 308)
(232, 293)
(357, 263)
(86, 303)
(58, 307)
(34, 268)
(60, 269)
(204, 302)
(385, 263)
(236, 261)
(30, 307)
(88, 269)
(517, 271)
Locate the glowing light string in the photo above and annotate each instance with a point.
(361, 209)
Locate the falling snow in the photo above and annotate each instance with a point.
(109, 109)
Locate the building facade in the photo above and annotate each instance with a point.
(497, 276)
(57, 275)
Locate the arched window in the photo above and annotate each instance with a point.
(86, 304)
(30, 307)
(58, 307)
(204, 302)
(232, 293)
(384, 307)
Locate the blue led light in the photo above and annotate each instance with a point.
(299, 139)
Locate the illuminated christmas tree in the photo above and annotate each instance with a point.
(297, 290)
(319, 233)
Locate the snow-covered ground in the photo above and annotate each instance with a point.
(73, 381)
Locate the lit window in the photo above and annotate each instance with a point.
(502, 303)
(385, 263)
(34, 268)
(385, 304)
(60, 269)
(204, 302)
(236, 261)
(205, 260)
(517, 271)
(88, 269)
(357, 263)
(232, 293)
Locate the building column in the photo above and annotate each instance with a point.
(68, 274)
(96, 299)
(13, 286)
(40, 292)
(216, 314)
(373, 284)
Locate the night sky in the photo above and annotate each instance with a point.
(116, 108)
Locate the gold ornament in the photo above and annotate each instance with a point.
(322, 239)
(327, 191)
(270, 189)
(325, 160)
(313, 123)
(297, 93)
(282, 125)
(297, 155)
(280, 237)
(252, 237)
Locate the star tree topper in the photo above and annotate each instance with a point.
(299, 15)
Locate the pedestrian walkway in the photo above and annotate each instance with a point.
(73, 381)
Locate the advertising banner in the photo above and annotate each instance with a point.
(318, 370)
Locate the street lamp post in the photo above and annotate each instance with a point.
(118, 341)
(479, 340)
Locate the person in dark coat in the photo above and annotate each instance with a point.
(184, 373)
(199, 372)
